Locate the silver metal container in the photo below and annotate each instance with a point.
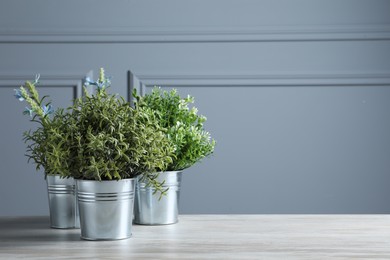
(62, 202)
(106, 208)
(149, 210)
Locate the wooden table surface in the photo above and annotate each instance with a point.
(209, 237)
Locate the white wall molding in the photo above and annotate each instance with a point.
(72, 80)
(197, 34)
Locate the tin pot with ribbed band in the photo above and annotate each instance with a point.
(150, 208)
(62, 202)
(106, 208)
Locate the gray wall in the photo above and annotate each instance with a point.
(297, 93)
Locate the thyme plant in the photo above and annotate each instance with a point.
(184, 127)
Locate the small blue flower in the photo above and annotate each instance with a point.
(107, 82)
(98, 84)
(18, 95)
(47, 110)
(88, 81)
(28, 111)
(36, 79)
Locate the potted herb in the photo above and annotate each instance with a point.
(184, 130)
(114, 144)
(48, 147)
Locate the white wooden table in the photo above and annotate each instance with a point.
(209, 237)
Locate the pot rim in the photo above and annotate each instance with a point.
(127, 179)
(170, 172)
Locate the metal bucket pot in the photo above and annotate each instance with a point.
(106, 208)
(62, 202)
(149, 210)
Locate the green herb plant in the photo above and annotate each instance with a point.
(114, 141)
(184, 127)
(100, 137)
(48, 144)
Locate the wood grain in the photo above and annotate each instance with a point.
(210, 237)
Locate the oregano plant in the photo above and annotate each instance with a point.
(184, 126)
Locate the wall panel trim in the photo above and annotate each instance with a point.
(73, 80)
(194, 34)
(142, 81)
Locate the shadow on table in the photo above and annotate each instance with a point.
(23, 223)
(16, 232)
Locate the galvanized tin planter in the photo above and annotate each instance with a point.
(149, 210)
(106, 208)
(62, 202)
